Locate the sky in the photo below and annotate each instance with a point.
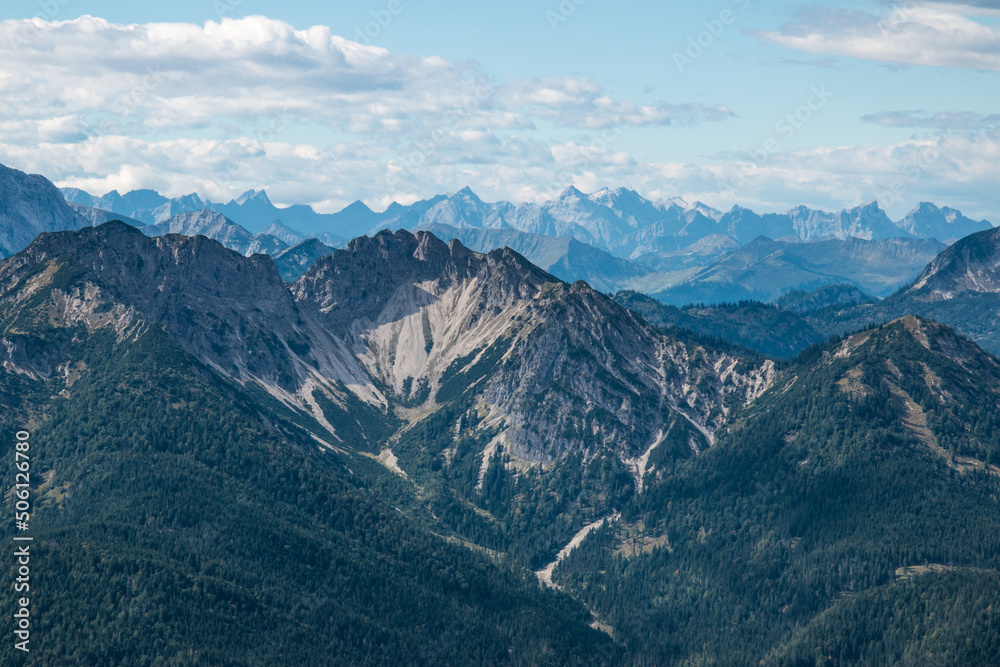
(765, 105)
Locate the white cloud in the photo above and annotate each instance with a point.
(574, 102)
(59, 129)
(954, 170)
(946, 121)
(310, 115)
(912, 33)
(184, 76)
(951, 169)
(318, 119)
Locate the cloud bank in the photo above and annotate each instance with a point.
(912, 33)
(316, 118)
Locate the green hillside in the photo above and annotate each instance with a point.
(179, 523)
(791, 533)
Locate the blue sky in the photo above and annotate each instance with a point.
(824, 104)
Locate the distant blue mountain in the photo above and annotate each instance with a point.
(620, 221)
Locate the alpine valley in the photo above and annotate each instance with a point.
(446, 441)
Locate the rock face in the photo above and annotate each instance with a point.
(404, 320)
(944, 224)
(285, 234)
(564, 256)
(218, 228)
(559, 368)
(359, 283)
(29, 206)
(233, 312)
(295, 261)
(205, 223)
(971, 265)
(867, 222)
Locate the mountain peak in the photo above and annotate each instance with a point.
(205, 222)
(358, 281)
(203, 215)
(280, 231)
(195, 219)
(927, 220)
(360, 207)
(112, 235)
(30, 205)
(191, 285)
(571, 193)
(972, 264)
(617, 196)
(255, 196)
(467, 193)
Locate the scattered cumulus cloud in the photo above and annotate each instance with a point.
(315, 118)
(952, 170)
(911, 33)
(946, 121)
(101, 105)
(185, 76)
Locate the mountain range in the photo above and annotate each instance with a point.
(613, 239)
(31, 205)
(220, 228)
(720, 267)
(960, 288)
(417, 453)
(765, 269)
(562, 256)
(233, 516)
(621, 221)
(714, 270)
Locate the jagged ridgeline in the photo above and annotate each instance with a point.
(960, 287)
(193, 507)
(379, 463)
(849, 516)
